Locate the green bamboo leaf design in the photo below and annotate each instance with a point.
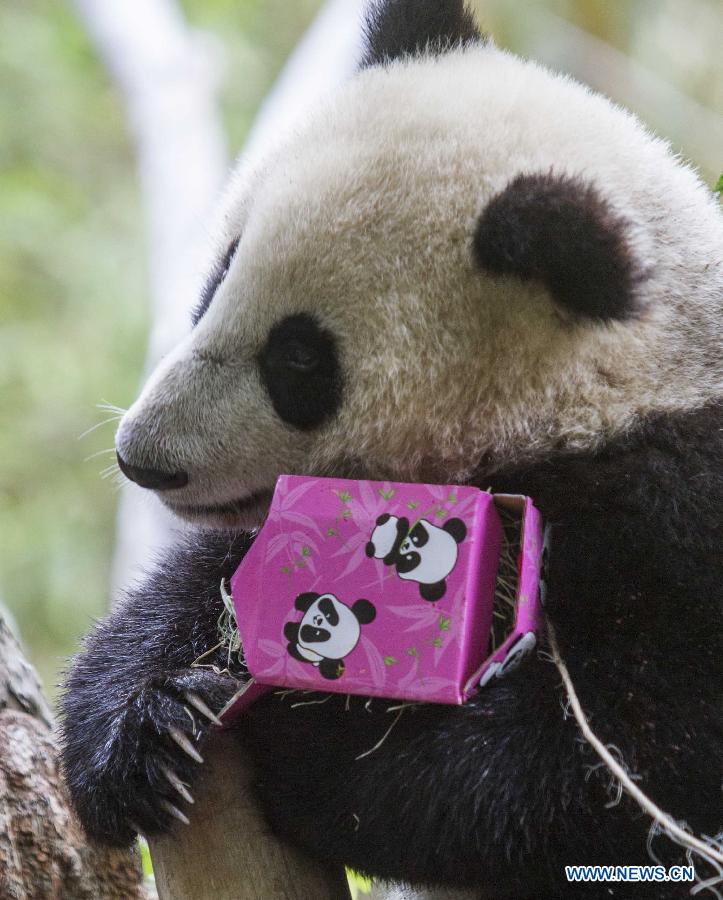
(390, 661)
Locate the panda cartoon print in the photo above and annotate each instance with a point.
(328, 631)
(424, 553)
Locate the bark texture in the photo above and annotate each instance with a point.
(44, 854)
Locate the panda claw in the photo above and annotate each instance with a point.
(180, 738)
(137, 828)
(177, 784)
(175, 812)
(198, 704)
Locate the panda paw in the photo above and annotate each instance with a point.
(138, 779)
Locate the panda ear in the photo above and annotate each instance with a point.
(456, 528)
(559, 231)
(394, 29)
(364, 611)
(291, 632)
(304, 601)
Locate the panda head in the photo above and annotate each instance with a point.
(387, 537)
(428, 554)
(461, 261)
(329, 630)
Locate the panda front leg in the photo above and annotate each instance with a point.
(135, 710)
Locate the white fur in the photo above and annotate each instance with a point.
(365, 217)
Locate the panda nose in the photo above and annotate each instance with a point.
(154, 479)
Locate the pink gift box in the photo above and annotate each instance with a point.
(380, 589)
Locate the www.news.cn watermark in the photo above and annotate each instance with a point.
(629, 873)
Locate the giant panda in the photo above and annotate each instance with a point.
(463, 268)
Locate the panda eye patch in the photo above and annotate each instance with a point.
(300, 369)
(214, 281)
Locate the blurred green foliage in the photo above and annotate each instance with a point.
(72, 318)
(74, 294)
(73, 274)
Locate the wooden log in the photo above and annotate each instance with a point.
(227, 852)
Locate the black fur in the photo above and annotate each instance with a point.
(300, 369)
(498, 794)
(395, 29)
(125, 690)
(558, 230)
(214, 281)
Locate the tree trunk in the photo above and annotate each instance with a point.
(44, 854)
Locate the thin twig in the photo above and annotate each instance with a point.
(709, 853)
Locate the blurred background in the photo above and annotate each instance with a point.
(77, 271)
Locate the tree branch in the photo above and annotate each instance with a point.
(44, 854)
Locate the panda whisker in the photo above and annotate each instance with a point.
(114, 418)
(111, 407)
(99, 453)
